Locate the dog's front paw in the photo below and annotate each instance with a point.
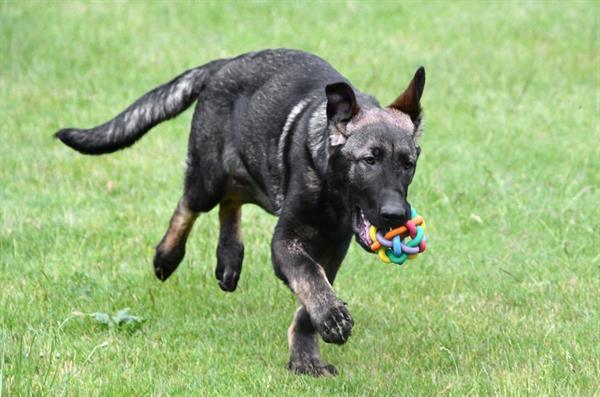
(311, 368)
(335, 326)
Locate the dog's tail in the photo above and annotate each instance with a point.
(160, 104)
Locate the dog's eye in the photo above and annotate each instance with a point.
(369, 160)
(409, 165)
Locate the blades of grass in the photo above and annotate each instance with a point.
(3, 337)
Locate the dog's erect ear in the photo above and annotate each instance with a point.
(410, 100)
(341, 102)
(341, 107)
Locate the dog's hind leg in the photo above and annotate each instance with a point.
(305, 356)
(171, 249)
(230, 251)
(205, 183)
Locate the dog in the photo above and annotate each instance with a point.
(284, 130)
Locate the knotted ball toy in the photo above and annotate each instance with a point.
(390, 247)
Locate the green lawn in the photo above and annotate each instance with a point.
(505, 301)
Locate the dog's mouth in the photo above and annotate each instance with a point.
(362, 227)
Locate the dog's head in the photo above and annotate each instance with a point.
(377, 150)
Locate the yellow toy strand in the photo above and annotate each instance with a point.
(383, 256)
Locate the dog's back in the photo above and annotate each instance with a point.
(260, 87)
(262, 94)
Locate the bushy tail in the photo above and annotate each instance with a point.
(160, 104)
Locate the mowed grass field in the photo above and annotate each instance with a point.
(505, 301)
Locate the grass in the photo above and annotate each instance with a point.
(504, 303)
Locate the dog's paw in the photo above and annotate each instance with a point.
(335, 326)
(165, 263)
(228, 277)
(312, 369)
(230, 255)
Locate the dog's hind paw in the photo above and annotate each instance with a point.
(165, 263)
(312, 369)
(228, 278)
(336, 325)
(230, 255)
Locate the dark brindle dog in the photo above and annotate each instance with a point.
(284, 130)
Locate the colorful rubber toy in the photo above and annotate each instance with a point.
(391, 246)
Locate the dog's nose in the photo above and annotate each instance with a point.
(395, 213)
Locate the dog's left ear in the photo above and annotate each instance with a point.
(341, 107)
(410, 100)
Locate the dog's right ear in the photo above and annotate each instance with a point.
(341, 107)
(409, 101)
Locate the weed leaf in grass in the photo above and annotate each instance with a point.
(102, 318)
(123, 320)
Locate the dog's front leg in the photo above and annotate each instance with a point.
(310, 284)
(305, 355)
(321, 310)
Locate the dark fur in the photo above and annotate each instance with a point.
(284, 130)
